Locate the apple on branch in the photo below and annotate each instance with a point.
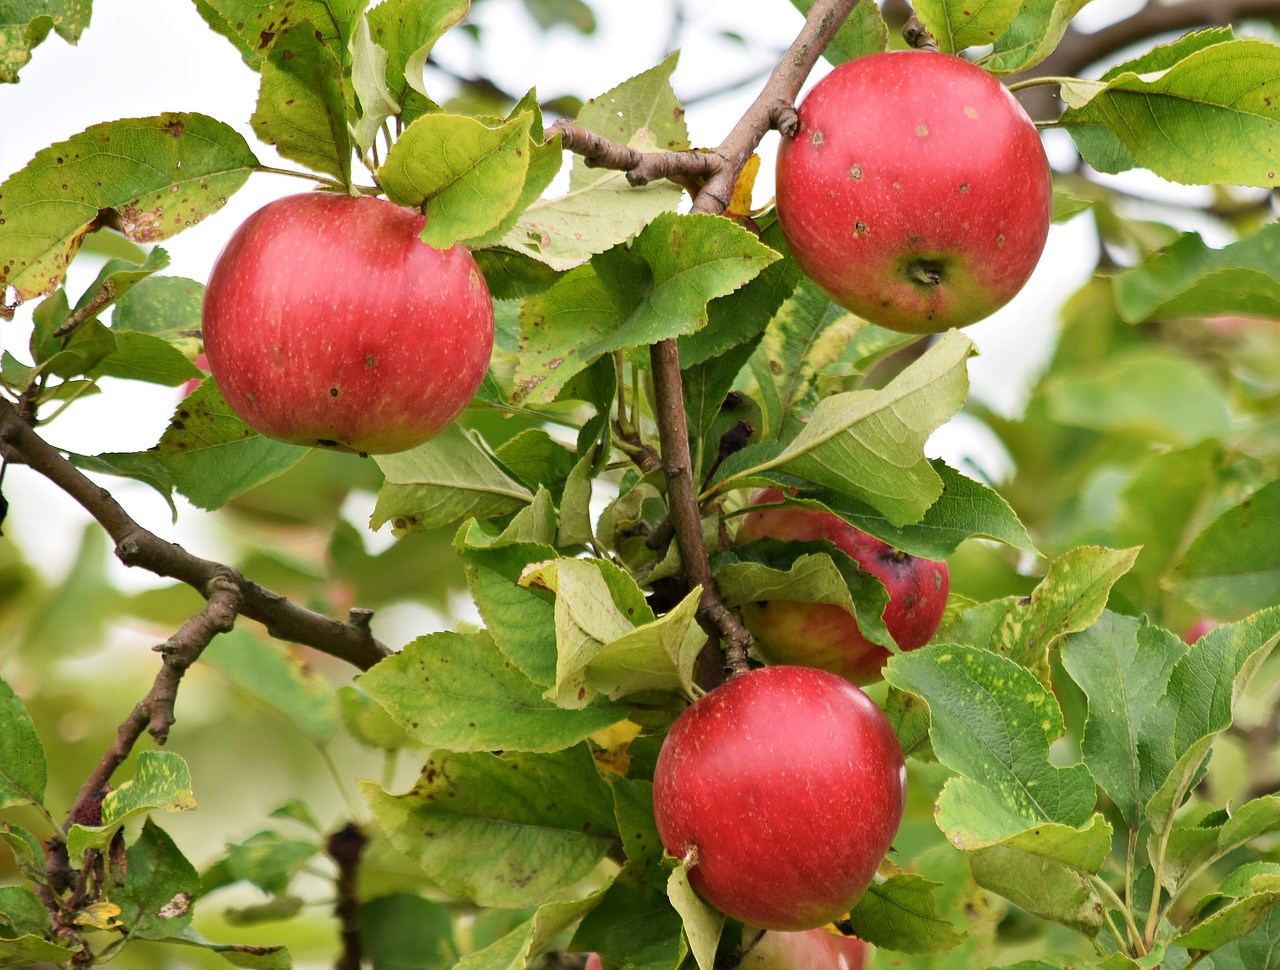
(823, 634)
(781, 791)
(328, 322)
(916, 192)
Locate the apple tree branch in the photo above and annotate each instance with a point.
(710, 177)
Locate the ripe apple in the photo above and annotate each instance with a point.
(328, 322)
(916, 192)
(1198, 629)
(805, 950)
(781, 790)
(823, 634)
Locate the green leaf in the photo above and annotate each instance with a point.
(22, 911)
(1197, 706)
(1071, 596)
(601, 209)
(1122, 664)
(24, 24)
(657, 656)
(239, 954)
(957, 24)
(447, 479)
(302, 107)
(458, 692)
(162, 782)
(1206, 119)
(1046, 871)
(465, 176)
(407, 30)
(27, 850)
(633, 806)
(160, 887)
(869, 444)
(658, 290)
(807, 335)
(369, 81)
(23, 769)
(596, 604)
(634, 926)
(207, 453)
(992, 723)
(807, 572)
(1241, 904)
(118, 276)
(368, 722)
(402, 931)
(145, 357)
(863, 33)
(1191, 279)
(740, 317)
(282, 682)
(521, 620)
(520, 947)
(1033, 35)
(1146, 391)
(1192, 846)
(1229, 569)
(965, 509)
(253, 25)
(269, 860)
(902, 914)
(153, 177)
(703, 923)
(29, 951)
(502, 830)
(167, 306)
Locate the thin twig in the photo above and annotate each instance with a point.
(154, 713)
(710, 176)
(345, 848)
(136, 546)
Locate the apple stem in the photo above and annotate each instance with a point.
(917, 35)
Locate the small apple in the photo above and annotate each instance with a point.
(1198, 629)
(823, 634)
(805, 950)
(916, 192)
(593, 962)
(202, 362)
(781, 791)
(328, 322)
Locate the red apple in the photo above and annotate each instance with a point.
(855, 952)
(781, 791)
(823, 634)
(916, 192)
(328, 322)
(202, 362)
(1198, 629)
(593, 962)
(806, 950)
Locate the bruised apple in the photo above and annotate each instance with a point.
(916, 192)
(781, 791)
(328, 322)
(823, 634)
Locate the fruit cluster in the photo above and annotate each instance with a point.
(915, 193)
